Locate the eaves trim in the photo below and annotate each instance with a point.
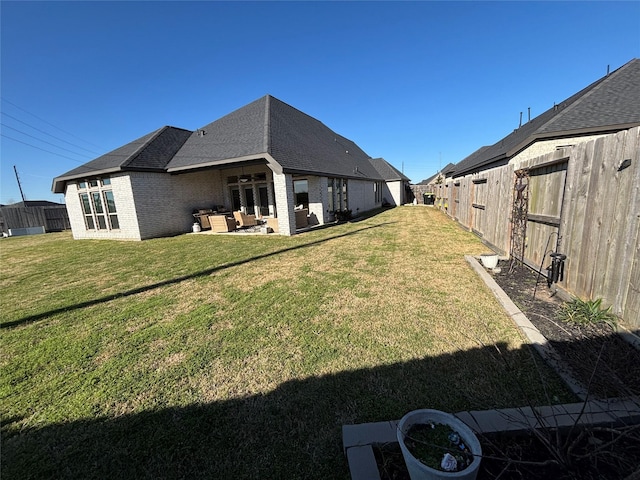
(60, 182)
(580, 132)
(216, 163)
(480, 166)
(361, 176)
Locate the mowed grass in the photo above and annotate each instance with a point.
(221, 356)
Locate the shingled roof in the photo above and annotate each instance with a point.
(447, 171)
(266, 130)
(270, 129)
(387, 171)
(151, 152)
(610, 104)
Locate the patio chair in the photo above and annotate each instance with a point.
(222, 223)
(244, 220)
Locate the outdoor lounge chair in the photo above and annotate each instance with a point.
(244, 220)
(222, 223)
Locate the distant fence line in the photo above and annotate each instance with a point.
(53, 219)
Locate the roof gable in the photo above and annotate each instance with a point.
(387, 171)
(296, 141)
(152, 151)
(241, 133)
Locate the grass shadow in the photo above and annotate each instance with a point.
(291, 432)
(172, 281)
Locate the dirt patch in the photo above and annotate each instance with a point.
(599, 359)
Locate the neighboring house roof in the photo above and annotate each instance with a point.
(610, 104)
(387, 171)
(427, 181)
(264, 130)
(447, 171)
(33, 203)
(150, 152)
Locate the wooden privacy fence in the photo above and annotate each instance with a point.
(582, 201)
(53, 219)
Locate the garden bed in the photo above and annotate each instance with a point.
(599, 359)
(521, 456)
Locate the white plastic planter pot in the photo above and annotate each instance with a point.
(489, 260)
(420, 471)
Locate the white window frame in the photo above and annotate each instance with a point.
(94, 193)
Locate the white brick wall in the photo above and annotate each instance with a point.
(123, 197)
(164, 203)
(153, 204)
(318, 200)
(393, 193)
(283, 184)
(150, 204)
(398, 190)
(361, 196)
(547, 146)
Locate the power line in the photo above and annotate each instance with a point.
(46, 133)
(51, 124)
(43, 141)
(33, 146)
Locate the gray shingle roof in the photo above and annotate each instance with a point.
(33, 203)
(296, 141)
(447, 171)
(611, 103)
(387, 171)
(239, 134)
(149, 152)
(266, 129)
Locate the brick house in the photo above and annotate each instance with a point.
(264, 159)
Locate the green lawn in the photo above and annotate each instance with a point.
(221, 356)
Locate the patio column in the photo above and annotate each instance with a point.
(318, 200)
(283, 186)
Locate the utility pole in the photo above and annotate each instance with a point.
(19, 186)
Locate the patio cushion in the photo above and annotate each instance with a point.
(244, 220)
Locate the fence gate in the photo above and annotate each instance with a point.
(519, 217)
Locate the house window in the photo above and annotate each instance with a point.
(98, 205)
(250, 202)
(235, 199)
(377, 191)
(301, 192)
(86, 209)
(263, 199)
(337, 192)
(111, 208)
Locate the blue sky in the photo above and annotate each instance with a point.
(421, 84)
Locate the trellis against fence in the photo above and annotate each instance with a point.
(586, 198)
